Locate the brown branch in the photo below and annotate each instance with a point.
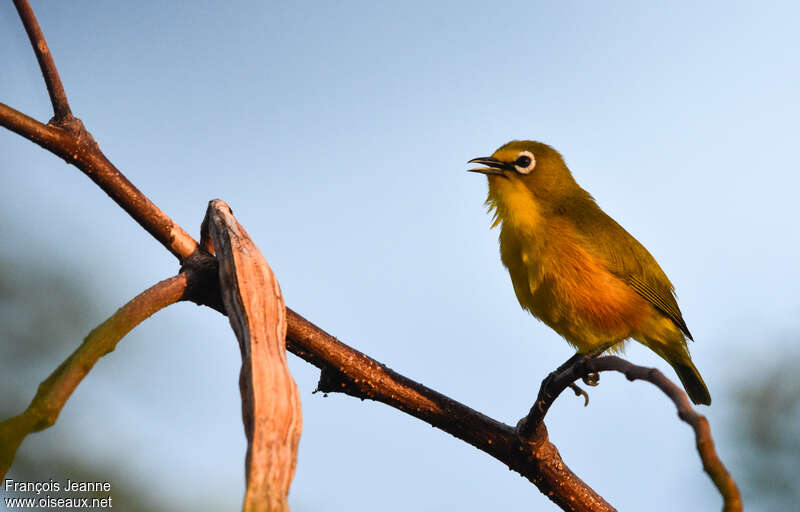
(270, 399)
(58, 97)
(54, 392)
(551, 388)
(65, 136)
(76, 146)
(581, 368)
(40, 133)
(345, 369)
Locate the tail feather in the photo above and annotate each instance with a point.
(692, 382)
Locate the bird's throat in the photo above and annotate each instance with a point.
(513, 205)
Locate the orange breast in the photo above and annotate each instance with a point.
(579, 298)
(555, 275)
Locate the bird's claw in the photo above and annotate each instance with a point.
(591, 379)
(580, 392)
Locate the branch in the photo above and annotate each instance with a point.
(552, 386)
(344, 369)
(581, 368)
(42, 134)
(66, 137)
(54, 392)
(58, 97)
(270, 399)
(76, 146)
(347, 370)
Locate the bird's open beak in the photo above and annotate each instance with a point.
(496, 167)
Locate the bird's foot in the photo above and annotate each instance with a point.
(579, 361)
(591, 379)
(557, 381)
(580, 392)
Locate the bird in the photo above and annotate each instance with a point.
(575, 268)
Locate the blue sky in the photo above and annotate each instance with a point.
(339, 134)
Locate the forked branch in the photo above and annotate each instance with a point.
(66, 137)
(582, 368)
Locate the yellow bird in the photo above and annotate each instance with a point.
(574, 268)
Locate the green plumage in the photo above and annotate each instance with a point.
(577, 270)
(626, 257)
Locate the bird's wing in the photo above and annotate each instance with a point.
(626, 258)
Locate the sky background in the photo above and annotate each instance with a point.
(339, 134)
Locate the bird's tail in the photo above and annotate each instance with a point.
(692, 381)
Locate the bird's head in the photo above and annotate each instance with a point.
(537, 165)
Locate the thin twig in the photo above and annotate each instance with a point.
(54, 392)
(712, 464)
(557, 383)
(58, 97)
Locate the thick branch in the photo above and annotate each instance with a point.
(54, 392)
(58, 97)
(347, 370)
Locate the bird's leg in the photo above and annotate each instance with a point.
(554, 384)
(592, 378)
(578, 356)
(578, 359)
(546, 398)
(544, 394)
(548, 391)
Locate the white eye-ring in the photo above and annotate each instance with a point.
(525, 162)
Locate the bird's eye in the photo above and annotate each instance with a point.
(525, 162)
